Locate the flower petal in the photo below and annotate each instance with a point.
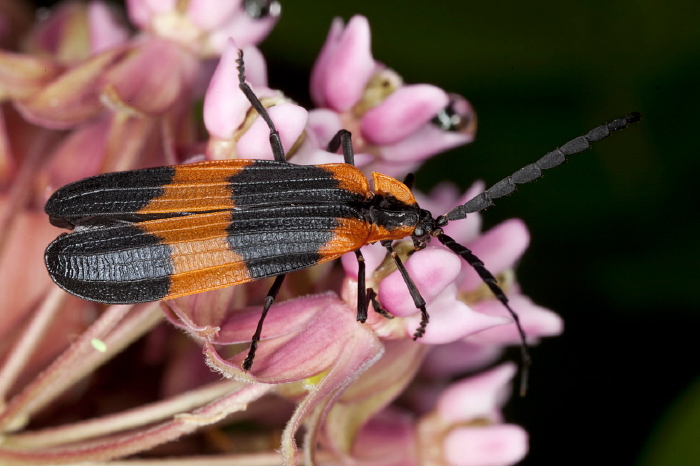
(499, 249)
(289, 120)
(79, 155)
(324, 124)
(459, 357)
(402, 113)
(423, 143)
(137, 82)
(106, 31)
(28, 237)
(535, 320)
(202, 314)
(320, 325)
(255, 67)
(244, 29)
(350, 66)
(432, 270)
(139, 12)
(443, 198)
(503, 444)
(207, 15)
(23, 75)
(371, 392)
(318, 73)
(477, 397)
(451, 320)
(359, 351)
(225, 106)
(62, 34)
(73, 97)
(374, 255)
(388, 439)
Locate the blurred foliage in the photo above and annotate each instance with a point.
(674, 441)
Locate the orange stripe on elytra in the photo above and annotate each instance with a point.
(201, 256)
(198, 187)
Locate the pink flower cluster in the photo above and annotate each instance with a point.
(83, 95)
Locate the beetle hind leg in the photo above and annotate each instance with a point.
(269, 299)
(412, 289)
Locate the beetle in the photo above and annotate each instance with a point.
(165, 232)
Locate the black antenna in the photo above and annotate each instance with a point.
(533, 171)
(505, 187)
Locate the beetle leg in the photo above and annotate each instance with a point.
(269, 299)
(372, 295)
(412, 289)
(362, 301)
(343, 138)
(365, 295)
(275, 141)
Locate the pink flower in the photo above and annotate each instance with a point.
(123, 101)
(235, 129)
(58, 34)
(396, 126)
(206, 25)
(463, 426)
(312, 343)
(468, 417)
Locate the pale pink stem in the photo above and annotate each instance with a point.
(23, 183)
(133, 322)
(70, 365)
(126, 444)
(125, 144)
(7, 162)
(251, 459)
(125, 420)
(30, 338)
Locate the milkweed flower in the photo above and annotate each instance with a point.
(463, 426)
(84, 382)
(235, 129)
(204, 25)
(395, 126)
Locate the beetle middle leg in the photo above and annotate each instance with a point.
(412, 289)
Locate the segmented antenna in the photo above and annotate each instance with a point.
(533, 171)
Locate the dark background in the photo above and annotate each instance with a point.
(614, 232)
